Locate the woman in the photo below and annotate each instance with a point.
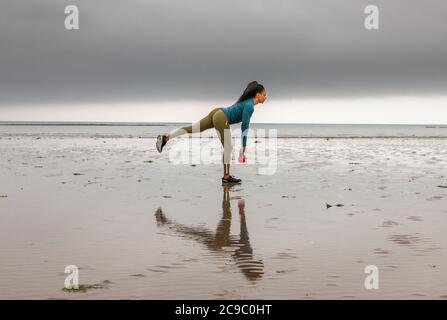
(220, 119)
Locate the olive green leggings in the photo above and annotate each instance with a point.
(218, 120)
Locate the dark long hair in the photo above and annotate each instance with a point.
(250, 92)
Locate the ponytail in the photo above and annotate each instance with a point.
(250, 91)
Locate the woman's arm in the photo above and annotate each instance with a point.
(246, 115)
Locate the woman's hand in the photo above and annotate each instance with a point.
(241, 206)
(242, 157)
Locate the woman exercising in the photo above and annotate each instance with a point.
(220, 119)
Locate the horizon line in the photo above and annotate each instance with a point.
(149, 123)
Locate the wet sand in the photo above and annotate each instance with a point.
(139, 227)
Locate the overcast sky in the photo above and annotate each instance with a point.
(176, 51)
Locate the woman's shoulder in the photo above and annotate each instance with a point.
(248, 103)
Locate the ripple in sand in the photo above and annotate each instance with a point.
(53, 175)
(418, 294)
(415, 218)
(405, 239)
(416, 242)
(138, 275)
(285, 255)
(391, 267)
(434, 198)
(168, 267)
(228, 295)
(156, 270)
(190, 260)
(389, 224)
(86, 287)
(381, 251)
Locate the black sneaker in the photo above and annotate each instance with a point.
(231, 179)
(161, 141)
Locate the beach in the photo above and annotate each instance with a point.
(140, 227)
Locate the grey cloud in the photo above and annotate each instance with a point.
(201, 49)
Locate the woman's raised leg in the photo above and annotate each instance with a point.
(199, 126)
(203, 124)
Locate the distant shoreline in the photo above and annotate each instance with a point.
(37, 130)
(64, 123)
(6, 136)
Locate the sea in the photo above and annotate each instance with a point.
(282, 130)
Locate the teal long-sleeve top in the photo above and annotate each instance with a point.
(240, 112)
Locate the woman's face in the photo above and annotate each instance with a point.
(261, 97)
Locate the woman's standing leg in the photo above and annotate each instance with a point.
(222, 127)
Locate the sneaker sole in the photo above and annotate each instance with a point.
(239, 182)
(159, 143)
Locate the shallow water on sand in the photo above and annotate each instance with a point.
(141, 227)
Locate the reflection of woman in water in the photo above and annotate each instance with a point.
(243, 253)
(220, 119)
